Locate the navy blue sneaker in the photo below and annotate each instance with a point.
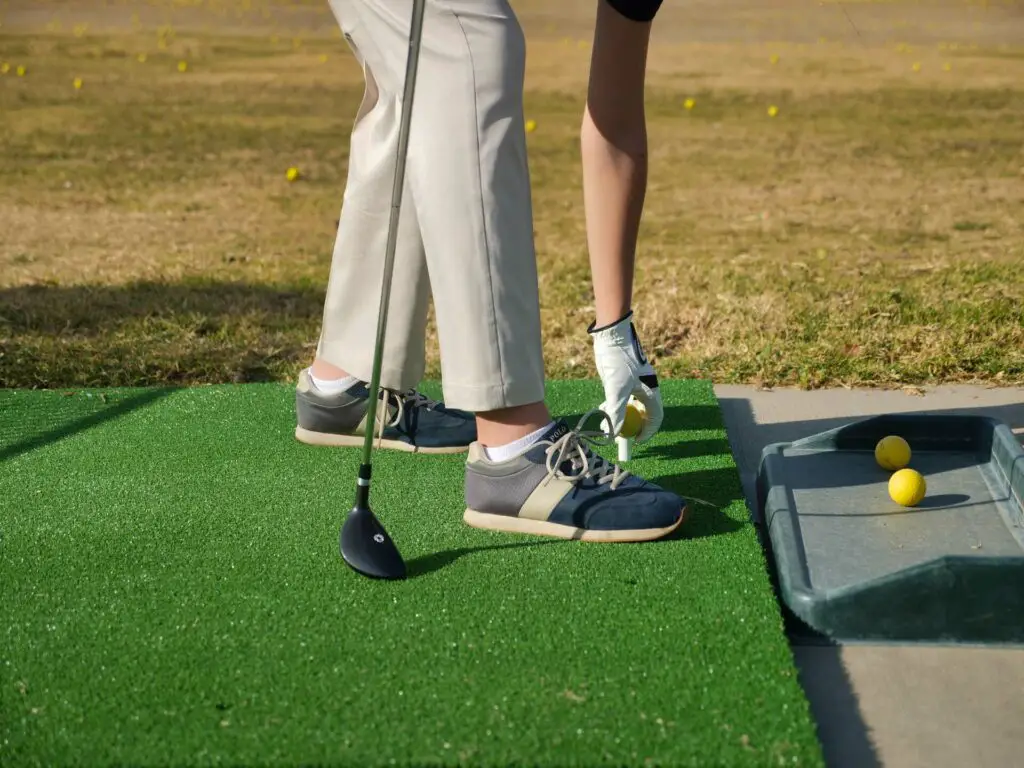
(411, 421)
(558, 487)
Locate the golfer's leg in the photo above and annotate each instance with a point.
(357, 269)
(470, 178)
(467, 170)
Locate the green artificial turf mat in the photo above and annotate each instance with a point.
(173, 594)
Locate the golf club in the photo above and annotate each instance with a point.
(365, 546)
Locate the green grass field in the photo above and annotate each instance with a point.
(173, 594)
(868, 234)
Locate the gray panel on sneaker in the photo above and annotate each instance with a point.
(412, 422)
(583, 498)
(503, 488)
(343, 412)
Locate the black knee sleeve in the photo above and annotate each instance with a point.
(637, 10)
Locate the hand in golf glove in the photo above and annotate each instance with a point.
(625, 371)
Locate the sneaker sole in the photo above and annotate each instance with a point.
(353, 441)
(510, 524)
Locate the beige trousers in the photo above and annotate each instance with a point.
(466, 221)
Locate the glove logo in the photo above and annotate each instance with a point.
(637, 347)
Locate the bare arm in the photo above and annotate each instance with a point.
(614, 154)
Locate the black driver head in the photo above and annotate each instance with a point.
(367, 548)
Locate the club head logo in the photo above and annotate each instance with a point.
(379, 538)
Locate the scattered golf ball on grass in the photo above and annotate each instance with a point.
(892, 452)
(907, 487)
(689, 103)
(773, 111)
(293, 174)
(531, 126)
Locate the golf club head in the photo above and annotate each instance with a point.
(367, 548)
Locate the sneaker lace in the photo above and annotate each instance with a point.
(418, 399)
(572, 446)
(400, 399)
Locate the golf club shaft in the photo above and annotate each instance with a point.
(412, 64)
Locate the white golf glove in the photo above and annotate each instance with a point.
(625, 372)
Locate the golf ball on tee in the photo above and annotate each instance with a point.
(633, 423)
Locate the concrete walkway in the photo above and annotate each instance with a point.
(882, 705)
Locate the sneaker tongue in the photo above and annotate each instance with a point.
(557, 432)
(572, 463)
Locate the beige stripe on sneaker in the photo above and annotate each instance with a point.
(361, 426)
(545, 497)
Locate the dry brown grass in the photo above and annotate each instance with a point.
(868, 234)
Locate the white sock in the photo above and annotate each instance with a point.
(332, 386)
(506, 452)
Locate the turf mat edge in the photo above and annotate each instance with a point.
(173, 594)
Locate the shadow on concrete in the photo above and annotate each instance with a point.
(842, 732)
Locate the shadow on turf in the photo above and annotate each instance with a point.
(713, 490)
(677, 417)
(61, 430)
(248, 323)
(426, 564)
(680, 418)
(710, 492)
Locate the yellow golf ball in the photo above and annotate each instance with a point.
(633, 423)
(531, 126)
(907, 487)
(689, 103)
(773, 111)
(293, 174)
(892, 452)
